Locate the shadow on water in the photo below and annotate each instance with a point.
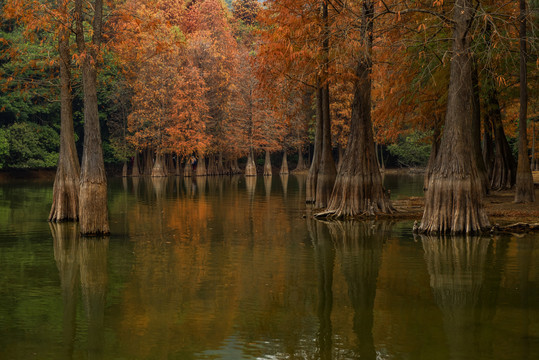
(76, 255)
(359, 246)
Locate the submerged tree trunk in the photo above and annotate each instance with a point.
(178, 165)
(454, 197)
(201, 166)
(358, 189)
(135, 169)
(158, 169)
(284, 165)
(93, 184)
(301, 162)
(65, 193)
(250, 168)
(524, 180)
(267, 165)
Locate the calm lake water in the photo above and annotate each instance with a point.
(231, 268)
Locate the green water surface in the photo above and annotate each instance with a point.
(235, 268)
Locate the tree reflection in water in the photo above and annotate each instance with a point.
(456, 266)
(66, 246)
(94, 280)
(359, 245)
(87, 256)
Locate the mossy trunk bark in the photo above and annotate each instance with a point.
(454, 197)
(93, 215)
(65, 193)
(433, 151)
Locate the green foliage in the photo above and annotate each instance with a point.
(27, 78)
(31, 146)
(411, 150)
(4, 147)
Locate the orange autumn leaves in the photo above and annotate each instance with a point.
(191, 79)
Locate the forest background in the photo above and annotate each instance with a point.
(216, 78)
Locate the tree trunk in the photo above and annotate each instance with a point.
(124, 169)
(220, 166)
(135, 169)
(212, 166)
(433, 151)
(454, 197)
(93, 184)
(250, 167)
(524, 180)
(358, 189)
(65, 193)
(301, 162)
(476, 129)
(267, 165)
(310, 187)
(158, 169)
(284, 165)
(178, 165)
(503, 172)
(201, 166)
(488, 145)
(327, 171)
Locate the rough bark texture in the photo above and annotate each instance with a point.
(135, 169)
(436, 136)
(454, 197)
(284, 165)
(358, 188)
(310, 187)
(65, 197)
(267, 165)
(488, 145)
(524, 180)
(503, 172)
(301, 162)
(201, 166)
(93, 183)
(327, 171)
(250, 168)
(476, 130)
(158, 169)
